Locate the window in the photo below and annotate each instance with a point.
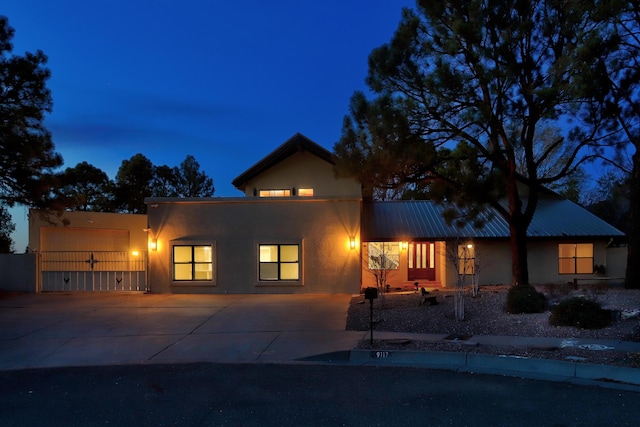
(466, 259)
(192, 263)
(384, 255)
(279, 262)
(575, 258)
(275, 193)
(305, 192)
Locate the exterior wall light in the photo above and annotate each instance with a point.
(352, 242)
(404, 245)
(153, 245)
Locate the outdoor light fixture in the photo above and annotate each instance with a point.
(352, 242)
(135, 253)
(404, 245)
(153, 245)
(469, 245)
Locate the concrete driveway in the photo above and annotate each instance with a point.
(62, 329)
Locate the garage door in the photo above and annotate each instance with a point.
(90, 260)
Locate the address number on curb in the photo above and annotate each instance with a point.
(380, 354)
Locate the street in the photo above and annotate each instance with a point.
(301, 395)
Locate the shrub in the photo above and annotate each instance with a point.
(581, 313)
(525, 299)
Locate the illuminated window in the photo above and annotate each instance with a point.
(305, 192)
(383, 255)
(275, 193)
(192, 263)
(575, 258)
(279, 262)
(466, 259)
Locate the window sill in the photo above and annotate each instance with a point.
(279, 283)
(201, 284)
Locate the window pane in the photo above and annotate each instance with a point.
(288, 253)
(182, 253)
(182, 272)
(585, 265)
(289, 271)
(584, 250)
(268, 253)
(203, 272)
(268, 271)
(202, 253)
(566, 266)
(566, 250)
(305, 192)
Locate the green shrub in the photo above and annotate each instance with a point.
(525, 299)
(581, 313)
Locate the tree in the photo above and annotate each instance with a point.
(618, 76)
(133, 184)
(463, 86)
(27, 154)
(6, 228)
(86, 188)
(164, 182)
(190, 181)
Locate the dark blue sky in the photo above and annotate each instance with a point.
(225, 81)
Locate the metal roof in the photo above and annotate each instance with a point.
(422, 219)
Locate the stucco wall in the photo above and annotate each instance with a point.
(495, 262)
(18, 272)
(133, 223)
(237, 226)
(305, 170)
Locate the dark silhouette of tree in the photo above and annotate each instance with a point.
(462, 89)
(164, 182)
(27, 154)
(133, 184)
(617, 78)
(6, 228)
(190, 181)
(86, 188)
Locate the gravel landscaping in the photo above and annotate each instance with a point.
(486, 315)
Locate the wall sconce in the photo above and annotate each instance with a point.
(404, 245)
(352, 242)
(153, 245)
(135, 253)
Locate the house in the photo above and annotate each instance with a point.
(301, 229)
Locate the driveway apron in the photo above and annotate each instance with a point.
(89, 329)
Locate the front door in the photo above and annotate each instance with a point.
(422, 264)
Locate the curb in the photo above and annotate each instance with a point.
(559, 370)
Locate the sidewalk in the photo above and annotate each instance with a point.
(547, 369)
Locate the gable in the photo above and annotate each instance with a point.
(299, 163)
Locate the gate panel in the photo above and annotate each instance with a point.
(93, 271)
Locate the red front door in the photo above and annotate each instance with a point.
(422, 261)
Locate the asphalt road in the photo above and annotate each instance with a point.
(299, 395)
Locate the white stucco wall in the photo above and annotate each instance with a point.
(237, 226)
(304, 170)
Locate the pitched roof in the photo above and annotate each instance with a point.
(422, 219)
(296, 143)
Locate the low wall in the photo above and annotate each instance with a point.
(18, 272)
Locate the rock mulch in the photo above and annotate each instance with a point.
(485, 315)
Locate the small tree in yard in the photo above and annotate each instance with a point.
(464, 259)
(382, 262)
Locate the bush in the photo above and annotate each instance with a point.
(581, 313)
(525, 299)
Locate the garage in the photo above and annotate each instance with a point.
(92, 252)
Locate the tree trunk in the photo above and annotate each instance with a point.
(633, 230)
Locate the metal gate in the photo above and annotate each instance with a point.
(93, 271)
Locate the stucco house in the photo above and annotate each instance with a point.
(301, 229)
